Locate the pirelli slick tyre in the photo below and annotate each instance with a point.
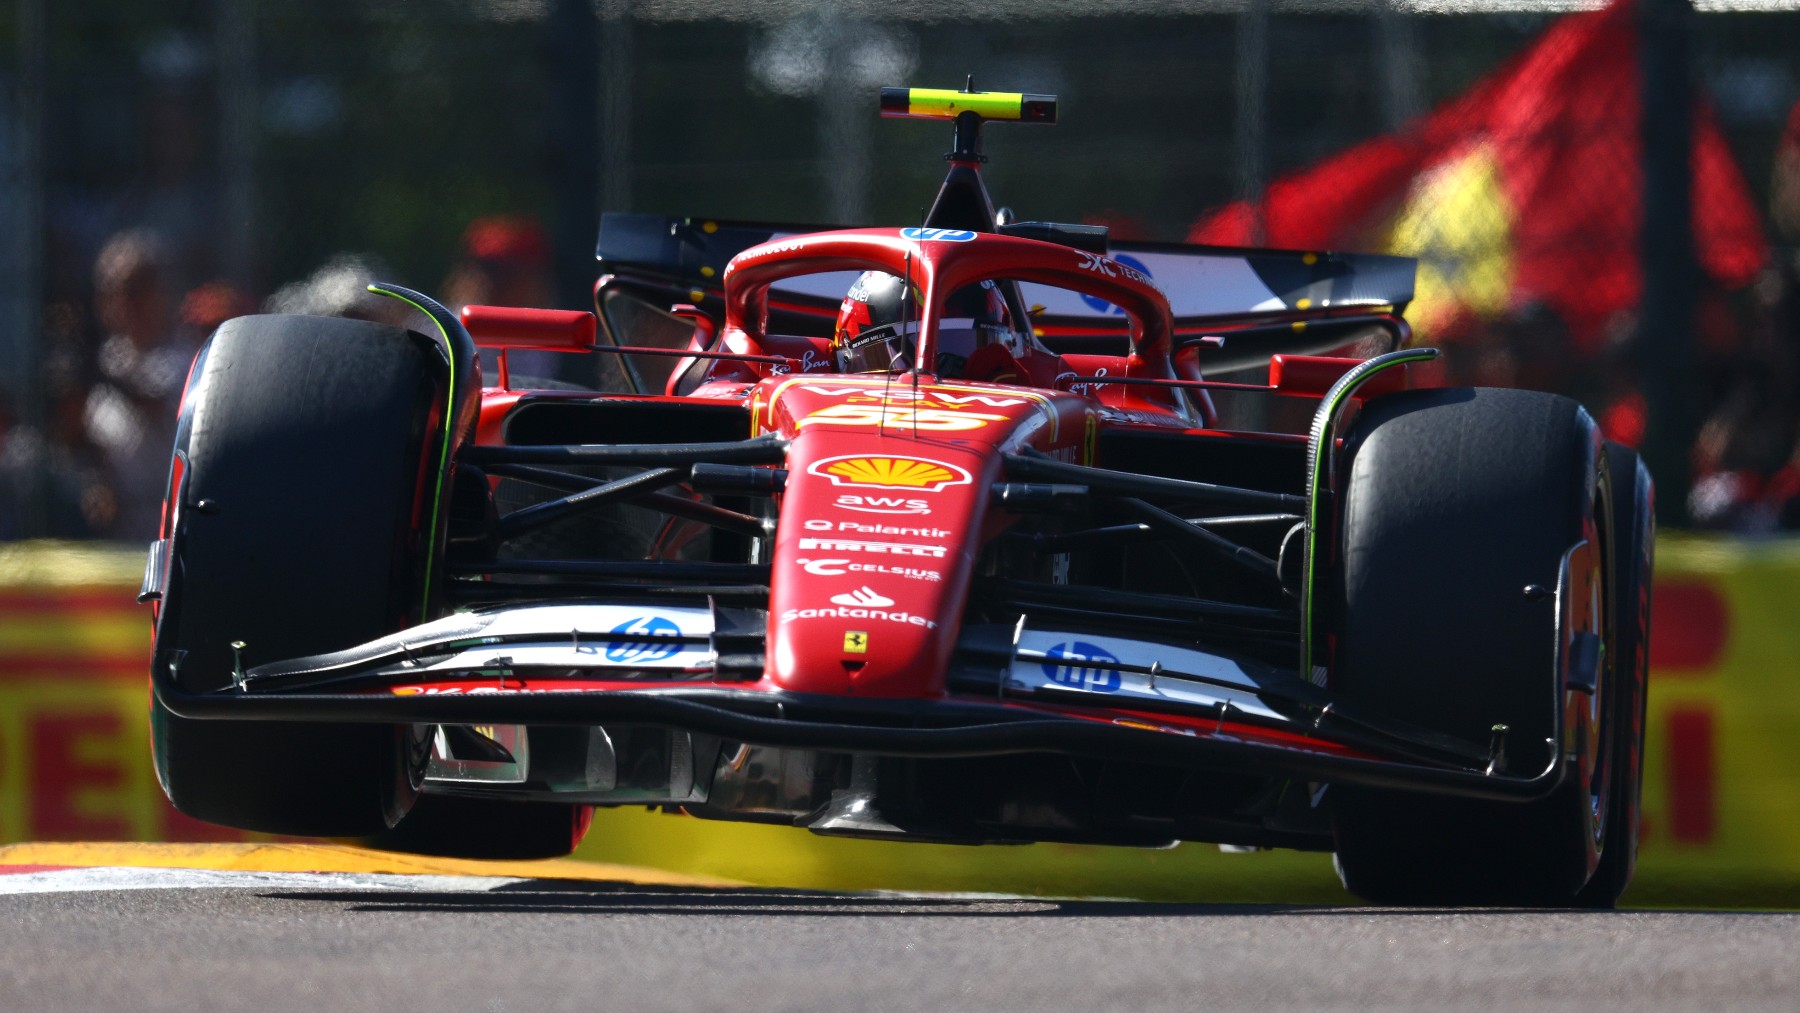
(306, 459)
(1460, 508)
(487, 828)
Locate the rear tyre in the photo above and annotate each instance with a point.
(454, 827)
(306, 456)
(1455, 501)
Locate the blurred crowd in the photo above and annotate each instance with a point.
(114, 367)
(1745, 460)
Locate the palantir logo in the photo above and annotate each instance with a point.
(643, 650)
(1099, 305)
(938, 235)
(1081, 665)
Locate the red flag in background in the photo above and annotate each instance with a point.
(1525, 190)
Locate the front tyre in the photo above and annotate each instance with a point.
(1455, 503)
(299, 523)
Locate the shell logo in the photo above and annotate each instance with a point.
(890, 473)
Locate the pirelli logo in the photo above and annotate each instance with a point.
(887, 548)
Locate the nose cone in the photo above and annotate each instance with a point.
(872, 565)
(883, 515)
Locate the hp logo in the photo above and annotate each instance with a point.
(1081, 665)
(642, 650)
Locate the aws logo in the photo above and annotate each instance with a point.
(908, 473)
(883, 504)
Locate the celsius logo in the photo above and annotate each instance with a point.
(641, 650)
(839, 567)
(862, 597)
(938, 235)
(1081, 665)
(1099, 305)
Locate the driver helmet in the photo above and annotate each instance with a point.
(871, 336)
(867, 337)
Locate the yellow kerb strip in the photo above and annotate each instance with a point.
(331, 858)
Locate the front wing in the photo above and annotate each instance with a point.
(1010, 690)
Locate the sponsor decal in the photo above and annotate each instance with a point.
(1124, 264)
(909, 473)
(791, 246)
(865, 596)
(903, 618)
(938, 235)
(810, 362)
(856, 642)
(890, 548)
(642, 650)
(816, 524)
(883, 504)
(1080, 665)
(889, 529)
(1088, 389)
(941, 397)
(929, 396)
(840, 567)
(936, 420)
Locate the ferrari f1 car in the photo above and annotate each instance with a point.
(946, 533)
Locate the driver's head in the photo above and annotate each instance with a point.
(867, 337)
(871, 335)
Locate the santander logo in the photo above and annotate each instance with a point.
(862, 597)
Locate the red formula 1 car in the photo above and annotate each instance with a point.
(936, 533)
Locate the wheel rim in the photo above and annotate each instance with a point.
(1605, 727)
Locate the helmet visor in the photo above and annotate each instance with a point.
(885, 348)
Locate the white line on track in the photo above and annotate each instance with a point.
(123, 878)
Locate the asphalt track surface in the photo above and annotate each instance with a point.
(112, 938)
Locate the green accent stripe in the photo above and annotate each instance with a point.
(443, 468)
(1318, 454)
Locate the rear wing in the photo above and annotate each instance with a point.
(1211, 289)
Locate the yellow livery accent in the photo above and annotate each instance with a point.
(891, 472)
(948, 104)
